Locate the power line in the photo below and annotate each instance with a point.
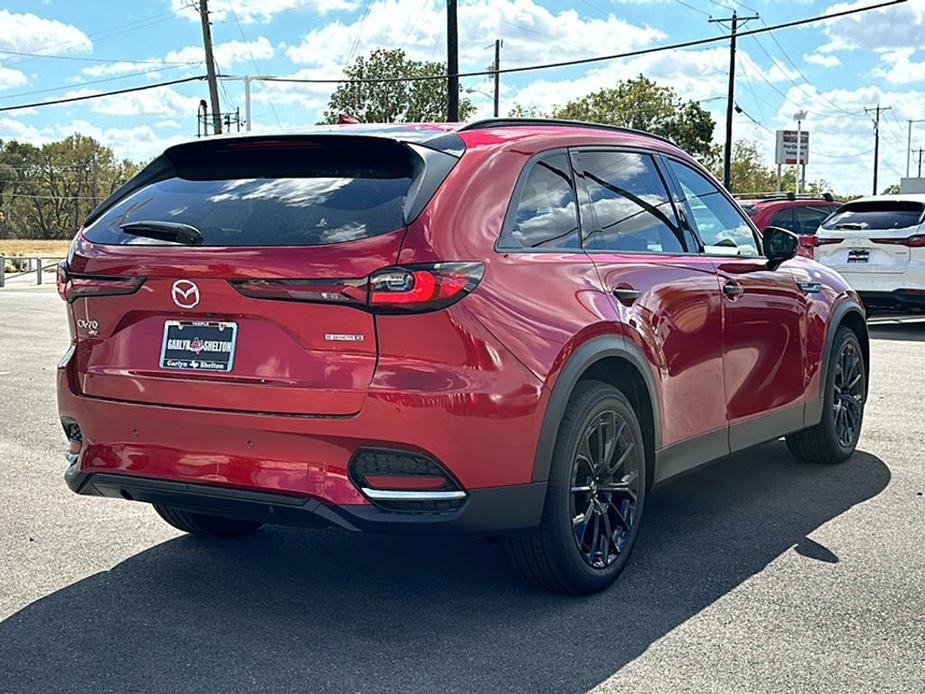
(99, 95)
(256, 66)
(85, 59)
(77, 85)
(483, 73)
(601, 58)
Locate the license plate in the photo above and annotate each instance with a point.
(198, 345)
(858, 256)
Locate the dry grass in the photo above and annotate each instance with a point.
(37, 247)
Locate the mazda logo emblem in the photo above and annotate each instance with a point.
(185, 294)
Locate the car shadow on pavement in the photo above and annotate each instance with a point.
(287, 609)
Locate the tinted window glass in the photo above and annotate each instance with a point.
(720, 225)
(784, 219)
(809, 218)
(298, 196)
(879, 214)
(546, 212)
(631, 206)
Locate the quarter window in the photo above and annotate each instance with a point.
(545, 214)
(630, 204)
(721, 227)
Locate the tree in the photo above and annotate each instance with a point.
(642, 104)
(891, 189)
(46, 192)
(750, 174)
(393, 102)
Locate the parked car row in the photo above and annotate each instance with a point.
(876, 243)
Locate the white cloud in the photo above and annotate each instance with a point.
(30, 33)
(694, 74)
(227, 53)
(163, 101)
(886, 28)
(529, 31)
(898, 67)
(842, 138)
(12, 129)
(120, 68)
(11, 78)
(249, 11)
(822, 60)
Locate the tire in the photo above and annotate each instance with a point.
(564, 554)
(204, 525)
(827, 441)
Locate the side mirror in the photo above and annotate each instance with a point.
(778, 245)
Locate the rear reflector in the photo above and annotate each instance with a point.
(405, 289)
(916, 241)
(72, 287)
(404, 481)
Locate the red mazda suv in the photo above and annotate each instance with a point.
(507, 328)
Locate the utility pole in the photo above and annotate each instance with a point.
(909, 143)
(735, 19)
(920, 150)
(498, 44)
(452, 63)
(210, 66)
(877, 110)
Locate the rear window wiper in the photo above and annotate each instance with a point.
(173, 232)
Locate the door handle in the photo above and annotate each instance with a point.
(626, 295)
(810, 287)
(733, 290)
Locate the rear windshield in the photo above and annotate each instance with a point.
(306, 194)
(877, 214)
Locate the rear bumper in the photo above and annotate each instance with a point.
(490, 511)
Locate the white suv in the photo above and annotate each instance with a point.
(878, 245)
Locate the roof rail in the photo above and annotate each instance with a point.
(510, 122)
(784, 195)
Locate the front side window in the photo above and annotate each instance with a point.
(632, 210)
(719, 224)
(545, 211)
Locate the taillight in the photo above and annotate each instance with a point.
(915, 241)
(351, 292)
(418, 288)
(403, 289)
(74, 286)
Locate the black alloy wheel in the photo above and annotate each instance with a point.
(605, 488)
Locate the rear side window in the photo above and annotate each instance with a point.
(877, 214)
(306, 194)
(632, 210)
(544, 213)
(784, 219)
(809, 217)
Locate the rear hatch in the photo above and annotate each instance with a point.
(872, 236)
(232, 272)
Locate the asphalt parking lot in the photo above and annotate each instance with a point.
(757, 574)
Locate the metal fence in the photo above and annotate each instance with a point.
(28, 264)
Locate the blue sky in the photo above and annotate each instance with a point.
(832, 70)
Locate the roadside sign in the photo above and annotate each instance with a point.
(786, 150)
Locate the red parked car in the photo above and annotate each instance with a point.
(801, 214)
(508, 328)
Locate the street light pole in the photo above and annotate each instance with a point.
(800, 180)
